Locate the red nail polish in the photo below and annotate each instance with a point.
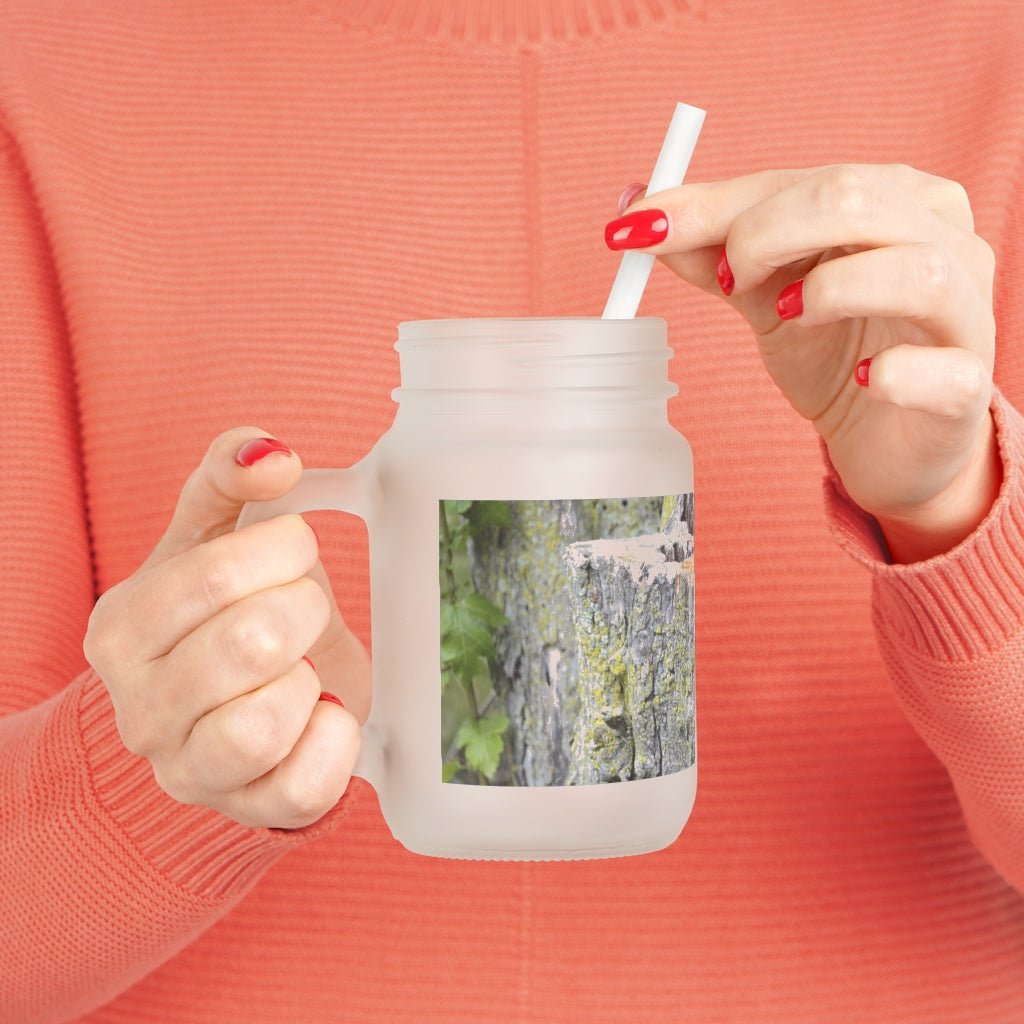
(861, 373)
(629, 195)
(790, 303)
(252, 451)
(637, 230)
(330, 698)
(309, 663)
(724, 274)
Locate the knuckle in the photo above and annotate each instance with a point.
(779, 179)
(178, 783)
(96, 643)
(700, 216)
(317, 608)
(264, 634)
(254, 641)
(903, 173)
(849, 194)
(221, 581)
(953, 196)
(985, 257)
(957, 383)
(254, 733)
(327, 762)
(830, 296)
(952, 408)
(931, 271)
(971, 382)
(310, 795)
(104, 642)
(143, 730)
(293, 535)
(109, 649)
(950, 201)
(136, 734)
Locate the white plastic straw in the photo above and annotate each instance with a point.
(674, 158)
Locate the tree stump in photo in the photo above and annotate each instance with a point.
(520, 569)
(632, 608)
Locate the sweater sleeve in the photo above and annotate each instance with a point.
(951, 631)
(102, 876)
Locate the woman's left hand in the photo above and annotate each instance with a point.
(870, 297)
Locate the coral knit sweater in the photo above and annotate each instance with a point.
(215, 213)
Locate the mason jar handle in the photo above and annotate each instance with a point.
(332, 490)
(338, 490)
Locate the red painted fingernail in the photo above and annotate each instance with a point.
(629, 195)
(861, 373)
(637, 230)
(252, 451)
(724, 274)
(309, 663)
(790, 303)
(331, 698)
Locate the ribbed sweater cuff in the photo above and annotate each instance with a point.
(196, 849)
(963, 604)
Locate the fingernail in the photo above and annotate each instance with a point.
(790, 303)
(629, 195)
(252, 451)
(724, 274)
(861, 373)
(330, 698)
(637, 230)
(309, 663)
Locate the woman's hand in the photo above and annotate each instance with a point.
(871, 300)
(203, 650)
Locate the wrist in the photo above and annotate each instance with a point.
(949, 518)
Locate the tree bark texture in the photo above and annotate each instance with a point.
(523, 570)
(632, 603)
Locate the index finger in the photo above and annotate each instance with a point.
(172, 598)
(700, 214)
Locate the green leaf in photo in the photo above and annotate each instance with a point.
(482, 741)
(484, 514)
(466, 635)
(457, 507)
(484, 611)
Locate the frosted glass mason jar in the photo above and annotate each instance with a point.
(530, 518)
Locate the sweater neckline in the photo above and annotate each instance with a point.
(522, 22)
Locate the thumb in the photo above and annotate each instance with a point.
(241, 465)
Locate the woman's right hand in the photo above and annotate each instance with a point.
(203, 650)
(871, 300)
